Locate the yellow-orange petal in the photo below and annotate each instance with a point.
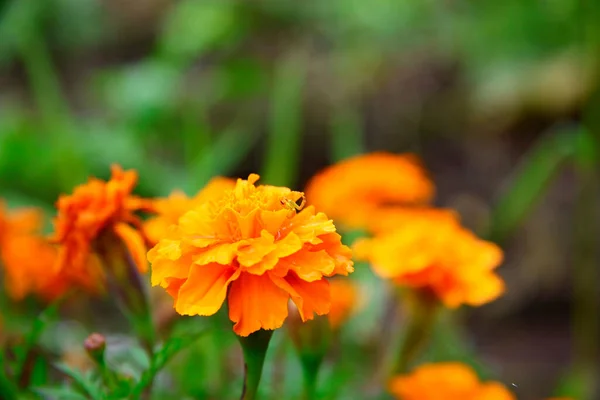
(255, 302)
(134, 242)
(205, 289)
(309, 265)
(446, 381)
(352, 189)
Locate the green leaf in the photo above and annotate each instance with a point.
(86, 383)
(530, 179)
(283, 142)
(224, 154)
(38, 326)
(141, 92)
(194, 27)
(162, 356)
(63, 393)
(346, 134)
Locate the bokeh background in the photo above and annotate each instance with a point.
(499, 98)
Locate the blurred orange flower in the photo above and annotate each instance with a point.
(168, 210)
(343, 301)
(446, 381)
(256, 246)
(433, 252)
(351, 190)
(27, 258)
(94, 209)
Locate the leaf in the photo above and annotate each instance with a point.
(8, 389)
(168, 350)
(194, 27)
(84, 382)
(283, 142)
(63, 393)
(536, 171)
(38, 325)
(224, 154)
(346, 133)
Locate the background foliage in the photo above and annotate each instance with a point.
(499, 98)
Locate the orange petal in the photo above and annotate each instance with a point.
(309, 297)
(309, 226)
(255, 302)
(494, 391)
(254, 250)
(172, 286)
(135, 245)
(271, 221)
(309, 265)
(202, 229)
(205, 289)
(221, 253)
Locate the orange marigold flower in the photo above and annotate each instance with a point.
(343, 301)
(446, 381)
(27, 258)
(436, 255)
(168, 210)
(257, 248)
(351, 190)
(96, 208)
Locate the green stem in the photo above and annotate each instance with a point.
(254, 347)
(420, 322)
(311, 364)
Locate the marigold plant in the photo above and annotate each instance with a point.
(97, 210)
(168, 210)
(446, 381)
(257, 247)
(433, 252)
(351, 190)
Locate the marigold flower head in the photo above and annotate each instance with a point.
(437, 255)
(343, 301)
(168, 210)
(253, 247)
(96, 208)
(446, 381)
(27, 258)
(352, 189)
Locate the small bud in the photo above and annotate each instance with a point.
(95, 344)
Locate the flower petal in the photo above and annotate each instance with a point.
(135, 245)
(202, 229)
(308, 265)
(309, 297)
(167, 262)
(205, 289)
(255, 302)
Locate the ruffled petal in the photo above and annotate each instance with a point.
(202, 229)
(205, 289)
(308, 265)
(309, 297)
(168, 262)
(255, 302)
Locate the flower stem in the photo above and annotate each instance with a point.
(420, 321)
(254, 347)
(311, 364)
